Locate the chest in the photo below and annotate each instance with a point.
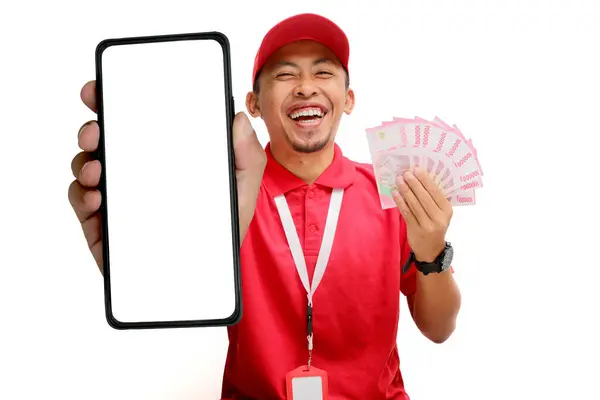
(365, 253)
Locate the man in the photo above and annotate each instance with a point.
(310, 216)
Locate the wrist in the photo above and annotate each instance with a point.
(427, 264)
(430, 256)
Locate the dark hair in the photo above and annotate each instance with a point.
(256, 86)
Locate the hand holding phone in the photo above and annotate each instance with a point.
(166, 141)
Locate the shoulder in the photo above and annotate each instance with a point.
(364, 171)
(364, 167)
(366, 187)
(366, 183)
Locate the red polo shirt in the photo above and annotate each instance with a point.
(355, 307)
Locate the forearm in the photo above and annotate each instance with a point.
(436, 305)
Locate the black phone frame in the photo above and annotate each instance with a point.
(236, 316)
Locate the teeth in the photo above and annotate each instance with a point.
(309, 121)
(307, 112)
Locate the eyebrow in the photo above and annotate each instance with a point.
(294, 65)
(323, 61)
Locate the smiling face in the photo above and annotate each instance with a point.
(302, 95)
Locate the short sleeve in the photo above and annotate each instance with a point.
(408, 281)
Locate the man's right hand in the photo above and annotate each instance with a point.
(85, 198)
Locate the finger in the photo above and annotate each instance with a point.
(88, 136)
(92, 230)
(409, 217)
(88, 95)
(85, 202)
(415, 182)
(250, 162)
(434, 190)
(86, 170)
(413, 203)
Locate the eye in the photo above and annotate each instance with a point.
(282, 74)
(324, 73)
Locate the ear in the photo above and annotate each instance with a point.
(252, 104)
(349, 105)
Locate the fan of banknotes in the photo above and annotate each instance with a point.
(442, 150)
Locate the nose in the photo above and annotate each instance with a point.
(307, 88)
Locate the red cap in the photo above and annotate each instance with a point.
(303, 27)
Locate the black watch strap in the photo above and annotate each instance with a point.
(424, 267)
(429, 268)
(411, 259)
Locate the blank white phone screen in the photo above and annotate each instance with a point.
(167, 181)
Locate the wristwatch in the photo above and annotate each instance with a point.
(440, 264)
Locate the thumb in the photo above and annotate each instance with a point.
(250, 162)
(247, 148)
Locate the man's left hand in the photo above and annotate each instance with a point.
(426, 211)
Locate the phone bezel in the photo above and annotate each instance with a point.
(235, 317)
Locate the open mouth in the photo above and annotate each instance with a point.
(307, 115)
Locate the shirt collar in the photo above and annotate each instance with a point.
(340, 174)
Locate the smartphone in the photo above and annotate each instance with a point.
(170, 231)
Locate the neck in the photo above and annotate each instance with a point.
(306, 166)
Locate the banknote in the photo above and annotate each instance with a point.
(450, 159)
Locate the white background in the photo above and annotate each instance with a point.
(518, 77)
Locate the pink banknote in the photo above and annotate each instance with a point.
(450, 147)
(442, 150)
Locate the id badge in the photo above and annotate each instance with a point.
(307, 384)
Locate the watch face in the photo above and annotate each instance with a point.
(447, 257)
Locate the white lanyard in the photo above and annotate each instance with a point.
(289, 227)
(294, 242)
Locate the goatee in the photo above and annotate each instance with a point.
(310, 147)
